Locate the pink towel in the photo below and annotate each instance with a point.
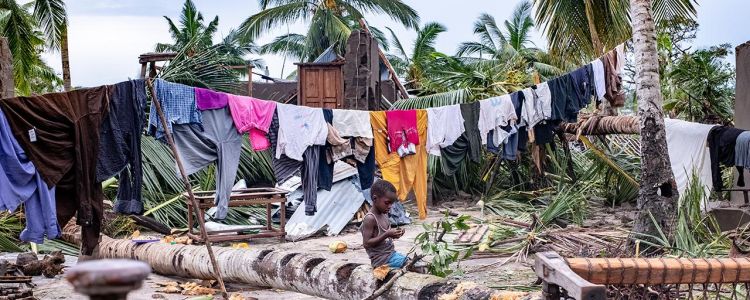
(253, 116)
(208, 99)
(402, 128)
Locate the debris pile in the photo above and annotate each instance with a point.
(187, 288)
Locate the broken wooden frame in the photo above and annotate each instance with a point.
(188, 186)
(243, 197)
(589, 278)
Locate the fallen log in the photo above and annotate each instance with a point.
(603, 125)
(298, 271)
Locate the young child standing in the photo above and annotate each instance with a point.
(377, 234)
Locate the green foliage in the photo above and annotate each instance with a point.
(573, 26)
(696, 233)
(30, 29)
(432, 243)
(330, 23)
(704, 86)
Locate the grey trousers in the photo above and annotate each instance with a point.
(220, 142)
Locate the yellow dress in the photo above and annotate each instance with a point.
(405, 173)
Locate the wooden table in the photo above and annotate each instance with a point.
(240, 198)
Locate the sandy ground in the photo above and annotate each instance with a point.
(492, 272)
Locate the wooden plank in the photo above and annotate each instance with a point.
(653, 271)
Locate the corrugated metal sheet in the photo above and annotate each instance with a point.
(335, 209)
(328, 55)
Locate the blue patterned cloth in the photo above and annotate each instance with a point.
(178, 103)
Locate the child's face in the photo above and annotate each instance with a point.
(384, 203)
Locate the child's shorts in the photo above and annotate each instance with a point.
(396, 260)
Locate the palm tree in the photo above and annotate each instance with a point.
(514, 41)
(584, 29)
(191, 25)
(52, 18)
(26, 42)
(331, 21)
(413, 67)
(192, 33)
(657, 199)
(704, 90)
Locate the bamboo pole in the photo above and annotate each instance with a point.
(654, 271)
(189, 189)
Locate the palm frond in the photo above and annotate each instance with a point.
(434, 100)
(395, 9)
(270, 18)
(52, 18)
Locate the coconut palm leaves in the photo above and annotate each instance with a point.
(705, 89)
(511, 42)
(415, 66)
(331, 21)
(584, 29)
(28, 34)
(191, 25)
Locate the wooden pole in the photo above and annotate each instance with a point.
(249, 80)
(654, 271)
(188, 189)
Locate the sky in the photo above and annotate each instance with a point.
(107, 36)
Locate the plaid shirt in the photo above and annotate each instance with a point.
(177, 102)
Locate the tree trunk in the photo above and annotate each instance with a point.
(7, 86)
(658, 194)
(302, 272)
(65, 60)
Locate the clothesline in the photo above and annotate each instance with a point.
(72, 141)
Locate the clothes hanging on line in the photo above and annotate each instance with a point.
(21, 183)
(352, 123)
(178, 105)
(742, 150)
(338, 148)
(402, 131)
(444, 126)
(494, 113)
(207, 99)
(469, 144)
(583, 89)
(612, 79)
(721, 143)
(687, 145)
(310, 177)
(120, 144)
(299, 128)
(405, 173)
(218, 142)
(253, 116)
(599, 82)
(283, 167)
(333, 140)
(511, 145)
(60, 134)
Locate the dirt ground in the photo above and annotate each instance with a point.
(493, 271)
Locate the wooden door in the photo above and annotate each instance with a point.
(321, 85)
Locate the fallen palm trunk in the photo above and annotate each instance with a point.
(603, 125)
(303, 272)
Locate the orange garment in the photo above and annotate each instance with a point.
(405, 173)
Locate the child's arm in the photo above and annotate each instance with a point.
(369, 228)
